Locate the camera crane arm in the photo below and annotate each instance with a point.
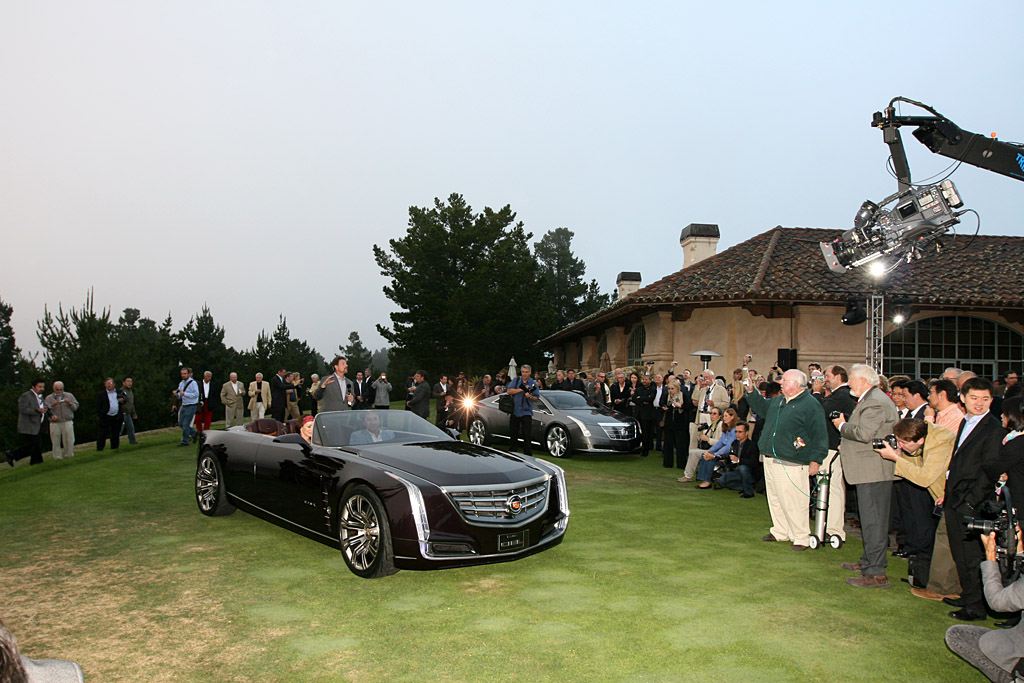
(942, 136)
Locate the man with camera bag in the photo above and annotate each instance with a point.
(872, 419)
(524, 392)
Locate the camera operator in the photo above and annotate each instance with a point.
(922, 459)
(836, 398)
(997, 654)
(745, 456)
(873, 418)
(524, 392)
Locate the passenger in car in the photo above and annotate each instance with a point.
(306, 430)
(372, 432)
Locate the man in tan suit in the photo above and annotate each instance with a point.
(259, 397)
(232, 395)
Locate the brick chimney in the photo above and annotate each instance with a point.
(627, 283)
(699, 241)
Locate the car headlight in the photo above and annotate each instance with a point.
(581, 425)
(419, 509)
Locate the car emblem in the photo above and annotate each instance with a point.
(514, 505)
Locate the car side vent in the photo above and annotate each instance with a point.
(513, 504)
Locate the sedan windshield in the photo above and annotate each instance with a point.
(567, 400)
(366, 427)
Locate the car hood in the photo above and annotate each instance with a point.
(453, 463)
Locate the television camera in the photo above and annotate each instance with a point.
(920, 214)
(998, 516)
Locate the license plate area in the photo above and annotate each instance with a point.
(508, 543)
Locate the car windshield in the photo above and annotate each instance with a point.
(566, 400)
(364, 427)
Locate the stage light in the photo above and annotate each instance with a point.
(855, 313)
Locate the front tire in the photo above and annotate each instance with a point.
(211, 494)
(365, 534)
(558, 442)
(478, 433)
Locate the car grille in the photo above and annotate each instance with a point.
(489, 504)
(623, 431)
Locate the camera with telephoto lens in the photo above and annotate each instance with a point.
(835, 415)
(879, 444)
(703, 427)
(997, 516)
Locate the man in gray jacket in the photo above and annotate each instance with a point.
(335, 391)
(31, 413)
(382, 392)
(62, 406)
(873, 418)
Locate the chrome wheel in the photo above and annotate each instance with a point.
(210, 494)
(364, 535)
(558, 442)
(478, 432)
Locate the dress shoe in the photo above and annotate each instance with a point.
(966, 615)
(797, 548)
(851, 566)
(684, 480)
(869, 581)
(953, 602)
(769, 538)
(900, 553)
(929, 595)
(746, 495)
(182, 445)
(1009, 623)
(9, 458)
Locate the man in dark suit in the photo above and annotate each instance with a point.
(967, 485)
(440, 392)
(335, 391)
(646, 412)
(419, 395)
(362, 392)
(110, 409)
(572, 382)
(31, 413)
(279, 395)
(209, 397)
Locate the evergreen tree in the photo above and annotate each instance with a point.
(358, 356)
(567, 296)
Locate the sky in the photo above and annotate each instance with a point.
(247, 155)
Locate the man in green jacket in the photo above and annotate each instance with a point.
(793, 443)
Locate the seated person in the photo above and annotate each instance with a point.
(372, 432)
(719, 450)
(707, 434)
(745, 454)
(306, 430)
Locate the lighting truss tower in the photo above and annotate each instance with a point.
(876, 319)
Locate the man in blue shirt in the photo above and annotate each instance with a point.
(188, 393)
(524, 392)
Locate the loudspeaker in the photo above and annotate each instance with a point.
(787, 359)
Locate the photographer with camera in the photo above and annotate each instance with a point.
(997, 654)
(524, 392)
(873, 418)
(921, 457)
(835, 398)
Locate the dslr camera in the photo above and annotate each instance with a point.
(879, 444)
(998, 516)
(835, 415)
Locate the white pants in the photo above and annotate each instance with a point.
(835, 523)
(234, 414)
(788, 492)
(62, 436)
(692, 461)
(258, 411)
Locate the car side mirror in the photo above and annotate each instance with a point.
(294, 439)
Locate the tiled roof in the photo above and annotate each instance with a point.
(786, 265)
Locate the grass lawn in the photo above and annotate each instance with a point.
(106, 560)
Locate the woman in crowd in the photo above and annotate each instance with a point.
(721, 446)
(708, 436)
(634, 383)
(465, 404)
(676, 427)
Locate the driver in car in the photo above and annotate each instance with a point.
(373, 433)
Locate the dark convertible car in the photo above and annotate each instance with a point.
(386, 487)
(563, 422)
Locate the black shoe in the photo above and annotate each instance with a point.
(953, 602)
(182, 445)
(901, 553)
(746, 495)
(1009, 623)
(966, 615)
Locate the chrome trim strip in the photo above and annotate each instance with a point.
(286, 521)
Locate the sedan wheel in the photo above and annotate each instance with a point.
(210, 491)
(559, 445)
(364, 534)
(478, 432)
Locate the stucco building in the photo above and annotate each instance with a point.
(963, 306)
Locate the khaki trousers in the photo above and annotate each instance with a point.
(234, 414)
(62, 436)
(258, 411)
(788, 491)
(835, 524)
(942, 576)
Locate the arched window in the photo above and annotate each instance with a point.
(927, 347)
(635, 346)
